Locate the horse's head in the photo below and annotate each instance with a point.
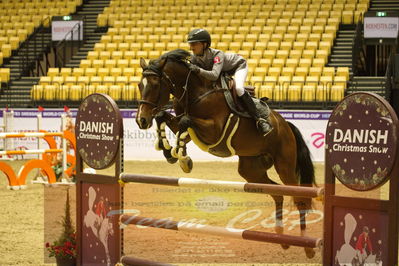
(156, 86)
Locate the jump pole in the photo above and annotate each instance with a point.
(295, 191)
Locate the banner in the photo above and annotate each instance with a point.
(139, 144)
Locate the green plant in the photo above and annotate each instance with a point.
(65, 245)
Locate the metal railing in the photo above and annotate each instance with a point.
(30, 53)
(358, 47)
(65, 49)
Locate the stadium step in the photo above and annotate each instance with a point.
(368, 84)
(341, 52)
(384, 5)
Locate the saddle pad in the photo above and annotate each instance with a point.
(260, 105)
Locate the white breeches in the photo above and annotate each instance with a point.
(240, 76)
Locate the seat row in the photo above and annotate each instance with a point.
(256, 22)
(292, 92)
(79, 92)
(307, 93)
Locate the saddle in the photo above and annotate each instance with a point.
(228, 84)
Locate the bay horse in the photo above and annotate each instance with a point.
(202, 115)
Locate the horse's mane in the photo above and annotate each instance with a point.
(178, 55)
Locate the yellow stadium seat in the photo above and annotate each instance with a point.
(316, 71)
(6, 50)
(77, 71)
(93, 55)
(99, 47)
(66, 71)
(289, 37)
(274, 71)
(122, 63)
(96, 80)
(110, 63)
(37, 92)
(111, 46)
(278, 62)
(87, 90)
(103, 71)
(308, 53)
(106, 39)
(75, 92)
(279, 94)
(292, 62)
(123, 46)
(341, 81)
(266, 91)
(294, 93)
(328, 71)
(326, 81)
(296, 54)
(63, 93)
(301, 71)
(270, 81)
(52, 72)
(91, 71)
(298, 80)
(57, 81)
(284, 82)
(102, 20)
(115, 71)
(44, 80)
(319, 62)
(83, 80)
(309, 93)
(337, 93)
(102, 89)
(343, 71)
(50, 92)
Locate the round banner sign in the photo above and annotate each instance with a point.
(361, 141)
(99, 128)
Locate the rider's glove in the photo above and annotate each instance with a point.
(194, 68)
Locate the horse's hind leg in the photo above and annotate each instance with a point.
(304, 205)
(288, 175)
(254, 170)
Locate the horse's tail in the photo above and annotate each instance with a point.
(305, 168)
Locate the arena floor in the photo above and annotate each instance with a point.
(31, 218)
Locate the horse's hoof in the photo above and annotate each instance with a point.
(168, 155)
(173, 152)
(186, 164)
(171, 160)
(310, 252)
(285, 246)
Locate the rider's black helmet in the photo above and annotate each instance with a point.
(199, 35)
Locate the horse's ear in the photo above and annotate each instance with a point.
(143, 63)
(162, 62)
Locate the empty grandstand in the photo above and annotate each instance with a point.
(302, 54)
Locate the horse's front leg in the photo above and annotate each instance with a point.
(162, 119)
(180, 150)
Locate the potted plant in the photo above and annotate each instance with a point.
(64, 248)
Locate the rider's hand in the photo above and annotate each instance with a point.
(194, 68)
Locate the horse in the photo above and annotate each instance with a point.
(202, 115)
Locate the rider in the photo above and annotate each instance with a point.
(209, 63)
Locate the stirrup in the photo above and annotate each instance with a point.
(262, 129)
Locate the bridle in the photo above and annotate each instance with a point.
(152, 70)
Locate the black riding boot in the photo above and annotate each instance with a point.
(262, 124)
